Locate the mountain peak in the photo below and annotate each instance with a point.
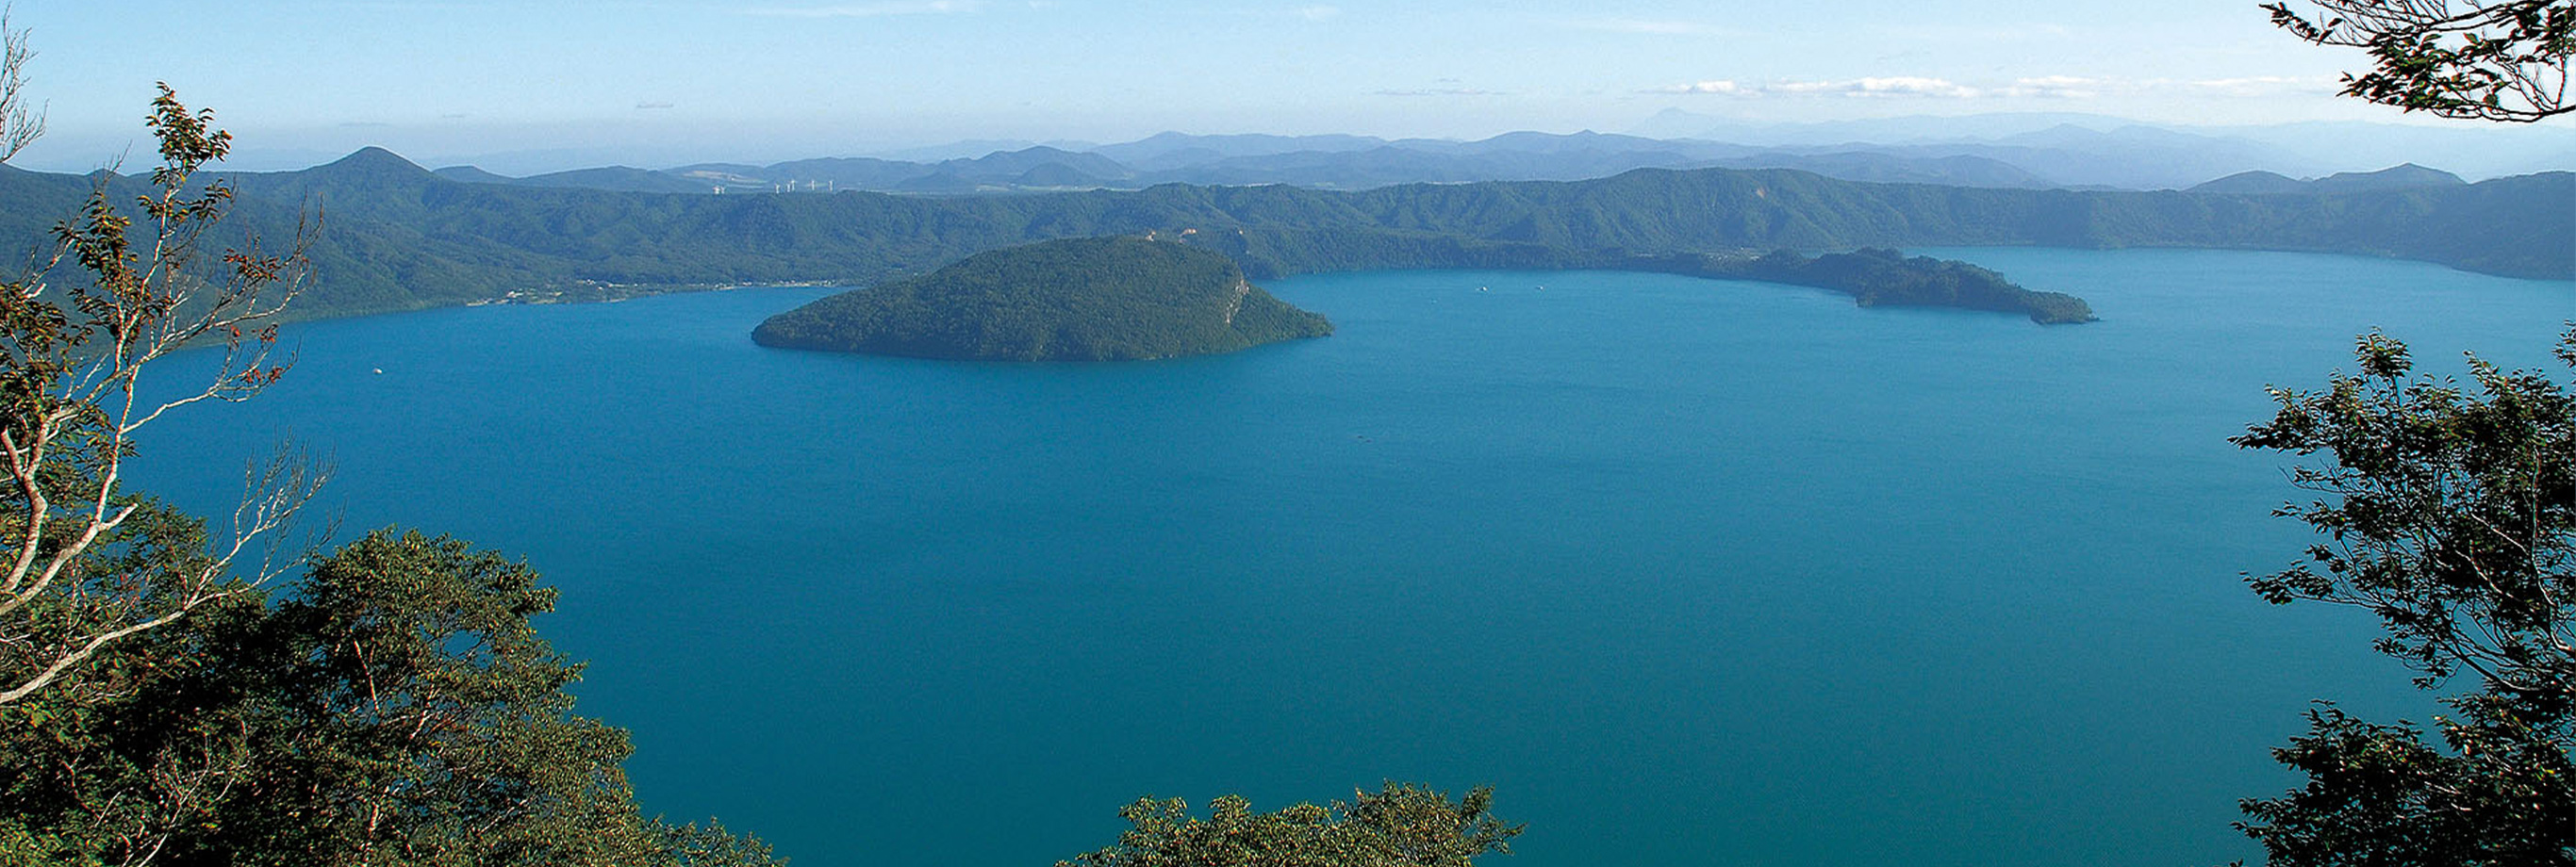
(369, 166)
(2401, 176)
(375, 159)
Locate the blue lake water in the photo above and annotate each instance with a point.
(1692, 572)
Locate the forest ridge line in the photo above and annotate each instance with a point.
(401, 237)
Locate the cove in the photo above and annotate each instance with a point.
(1690, 571)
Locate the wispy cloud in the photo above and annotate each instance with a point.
(1895, 85)
(1890, 86)
(1718, 86)
(2055, 87)
(1319, 13)
(870, 10)
(650, 106)
(1957, 33)
(1642, 25)
(2260, 85)
(1445, 91)
(2033, 87)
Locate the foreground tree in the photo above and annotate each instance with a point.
(74, 351)
(2484, 59)
(2450, 514)
(1401, 825)
(397, 709)
(156, 705)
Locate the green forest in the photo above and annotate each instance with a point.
(400, 237)
(1078, 299)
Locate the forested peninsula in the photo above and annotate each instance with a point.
(399, 237)
(1077, 299)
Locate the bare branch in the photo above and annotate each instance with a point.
(74, 368)
(19, 127)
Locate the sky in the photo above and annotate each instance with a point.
(590, 82)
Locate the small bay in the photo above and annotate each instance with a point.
(1690, 571)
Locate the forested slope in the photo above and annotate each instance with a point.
(400, 237)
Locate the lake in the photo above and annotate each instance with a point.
(1692, 572)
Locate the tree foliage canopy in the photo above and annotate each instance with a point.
(2450, 514)
(397, 708)
(1077, 299)
(157, 705)
(2500, 60)
(1400, 825)
(73, 343)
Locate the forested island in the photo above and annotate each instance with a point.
(1877, 277)
(1077, 299)
(1873, 277)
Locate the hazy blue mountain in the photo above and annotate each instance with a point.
(2064, 149)
(2306, 149)
(2478, 150)
(1542, 156)
(1914, 129)
(472, 175)
(1007, 164)
(2131, 157)
(1173, 150)
(955, 150)
(2401, 177)
(1584, 142)
(1879, 167)
(1392, 164)
(2256, 182)
(620, 178)
(1334, 162)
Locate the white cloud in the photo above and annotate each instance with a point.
(1638, 25)
(2032, 87)
(1720, 86)
(871, 10)
(2261, 85)
(1959, 33)
(2056, 87)
(1890, 86)
(1319, 13)
(1445, 91)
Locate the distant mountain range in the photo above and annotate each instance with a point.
(2408, 176)
(2093, 149)
(1320, 162)
(400, 237)
(2003, 151)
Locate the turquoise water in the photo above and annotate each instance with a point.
(1691, 572)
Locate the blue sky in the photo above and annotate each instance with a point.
(663, 82)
